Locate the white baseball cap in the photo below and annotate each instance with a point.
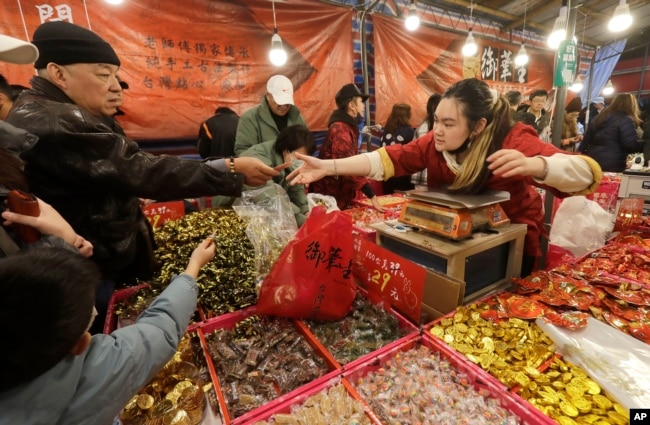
(13, 50)
(281, 89)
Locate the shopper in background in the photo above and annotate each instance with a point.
(398, 129)
(217, 134)
(275, 112)
(6, 98)
(611, 136)
(571, 134)
(514, 99)
(420, 178)
(645, 140)
(94, 176)
(538, 100)
(595, 108)
(474, 147)
(53, 371)
(427, 124)
(341, 142)
(277, 154)
(54, 229)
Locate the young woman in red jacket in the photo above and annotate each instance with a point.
(475, 146)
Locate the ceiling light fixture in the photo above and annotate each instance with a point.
(277, 55)
(608, 89)
(412, 22)
(522, 56)
(578, 84)
(114, 1)
(559, 27)
(470, 48)
(622, 19)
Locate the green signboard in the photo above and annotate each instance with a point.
(566, 63)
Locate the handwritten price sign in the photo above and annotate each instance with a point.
(159, 213)
(397, 280)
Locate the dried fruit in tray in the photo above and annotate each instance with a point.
(365, 329)
(419, 386)
(330, 406)
(260, 359)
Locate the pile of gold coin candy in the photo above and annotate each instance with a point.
(510, 349)
(227, 283)
(516, 352)
(366, 328)
(175, 396)
(333, 406)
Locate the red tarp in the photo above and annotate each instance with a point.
(183, 59)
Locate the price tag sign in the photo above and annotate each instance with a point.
(396, 280)
(159, 213)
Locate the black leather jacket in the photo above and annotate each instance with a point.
(94, 177)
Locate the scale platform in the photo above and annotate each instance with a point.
(454, 216)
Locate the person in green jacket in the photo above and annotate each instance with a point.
(278, 153)
(275, 112)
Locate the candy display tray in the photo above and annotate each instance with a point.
(229, 321)
(112, 322)
(285, 406)
(511, 402)
(408, 330)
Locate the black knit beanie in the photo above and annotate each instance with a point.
(65, 43)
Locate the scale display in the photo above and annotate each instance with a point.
(451, 223)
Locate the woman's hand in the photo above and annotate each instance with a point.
(376, 205)
(510, 162)
(311, 170)
(50, 222)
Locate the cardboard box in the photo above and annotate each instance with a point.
(485, 262)
(441, 295)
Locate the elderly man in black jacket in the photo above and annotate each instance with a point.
(94, 176)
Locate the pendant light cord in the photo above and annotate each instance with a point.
(275, 24)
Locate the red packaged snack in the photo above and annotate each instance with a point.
(26, 204)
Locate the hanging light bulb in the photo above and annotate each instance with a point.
(621, 20)
(577, 85)
(470, 48)
(608, 89)
(559, 28)
(522, 57)
(412, 22)
(277, 55)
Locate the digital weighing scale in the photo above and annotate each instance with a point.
(454, 216)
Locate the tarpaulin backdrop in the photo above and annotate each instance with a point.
(182, 59)
(409, 67)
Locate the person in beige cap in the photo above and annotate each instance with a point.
(265, 121)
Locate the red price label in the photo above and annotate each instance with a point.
(397, 280)
(159, 213)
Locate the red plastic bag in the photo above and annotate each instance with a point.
(312, 277)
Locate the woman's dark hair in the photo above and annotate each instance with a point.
(477, 101)
(432, 104)
(46, 302)
(514, 98)
(400, 116)
(294, 137)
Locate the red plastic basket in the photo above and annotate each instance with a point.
(228, 321)
(408, 329)
(513, 403)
